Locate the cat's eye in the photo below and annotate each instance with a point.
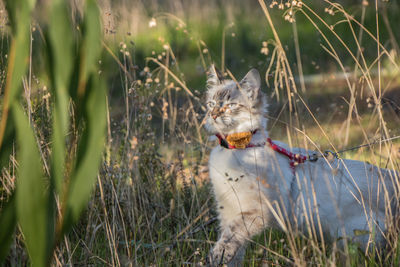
(211, 104)
(232, 105)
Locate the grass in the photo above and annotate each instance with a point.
(152, 203)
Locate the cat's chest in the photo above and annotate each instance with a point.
(233, 159)
(237, 180)
(241, 169)
(234, 168)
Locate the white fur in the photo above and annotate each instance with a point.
(256, 188)
(344, 189)
(343, 196)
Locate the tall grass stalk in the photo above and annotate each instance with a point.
(151, 203)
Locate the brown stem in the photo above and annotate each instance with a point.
(7, 91)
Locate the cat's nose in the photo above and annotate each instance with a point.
(215, 113)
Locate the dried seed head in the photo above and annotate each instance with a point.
(133, 142)
(152, 23)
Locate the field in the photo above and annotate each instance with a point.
(103, 154)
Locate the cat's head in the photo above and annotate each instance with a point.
(234, 107)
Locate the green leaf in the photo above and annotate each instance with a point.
(32, 196)
(91, 38)
(61, 43)
(19, 13)
(19, 49)
(8, 143)
(91, 109)
(90, 150)
(90, 50)
(18, 56)
(8, 220)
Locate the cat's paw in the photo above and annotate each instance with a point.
(221, 254)
(216, 256)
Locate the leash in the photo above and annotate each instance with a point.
(296, 159)
(315, 156)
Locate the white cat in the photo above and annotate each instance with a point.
(256, 186)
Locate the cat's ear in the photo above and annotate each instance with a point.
(215, 77)
(251, 84)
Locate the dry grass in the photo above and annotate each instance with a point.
(152, 204)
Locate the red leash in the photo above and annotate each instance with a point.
(294, 159)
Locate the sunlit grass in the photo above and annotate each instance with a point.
(152, 204)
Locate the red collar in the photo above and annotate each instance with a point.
(294, 159)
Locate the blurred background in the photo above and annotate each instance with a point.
(236, 35)
(243, 26)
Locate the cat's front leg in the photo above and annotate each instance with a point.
(230, 247)
(226, 249)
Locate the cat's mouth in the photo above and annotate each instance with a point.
(221, 123)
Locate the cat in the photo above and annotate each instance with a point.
(256, 185)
